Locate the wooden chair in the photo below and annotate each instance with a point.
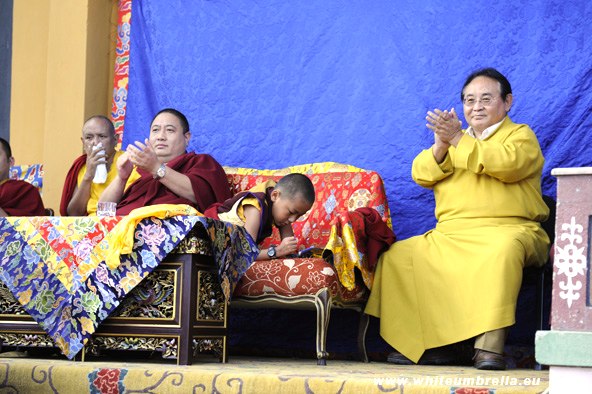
(313, 282)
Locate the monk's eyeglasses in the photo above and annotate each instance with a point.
(485, 101)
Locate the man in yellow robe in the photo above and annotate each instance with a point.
(461, 280)
(81, 190)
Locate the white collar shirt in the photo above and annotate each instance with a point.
(486, 133)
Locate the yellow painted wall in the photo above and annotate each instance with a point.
(62, 61)
(29, 79)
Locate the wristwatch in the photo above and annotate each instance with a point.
(160, 173)
(271, 252)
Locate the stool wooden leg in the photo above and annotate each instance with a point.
(323, 305)
(187, 306)
(362, 329)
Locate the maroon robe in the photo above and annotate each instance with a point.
(71, 183)
(207, 177)
(20, 198)
(376, 235)
(266, 223)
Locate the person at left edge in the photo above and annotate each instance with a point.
(17, 198)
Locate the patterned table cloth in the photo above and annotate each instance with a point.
(55, 266)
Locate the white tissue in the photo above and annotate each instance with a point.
(101, 171)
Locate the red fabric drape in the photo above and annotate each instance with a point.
(70, 184)
(20, 198)
(377, 235)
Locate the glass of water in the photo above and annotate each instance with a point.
(106, 208)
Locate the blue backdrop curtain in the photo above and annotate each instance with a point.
(270, 84)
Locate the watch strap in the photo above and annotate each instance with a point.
(271, 252)
(160, 173)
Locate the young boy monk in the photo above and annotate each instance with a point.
(266, 205)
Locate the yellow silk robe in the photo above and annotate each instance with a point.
(463, 277)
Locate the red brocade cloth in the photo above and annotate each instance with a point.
(372, 232)
(20, 198)
(70, 184)
(207, 177)
(357, 239)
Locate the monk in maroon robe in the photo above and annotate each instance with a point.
(207, 177)
(17, 198)
(160, 171)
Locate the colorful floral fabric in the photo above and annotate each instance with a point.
(347, 253)
(121, 72)
(293, 277)
(121, 239)
(107, 381)
(32, 174)
(54, 266)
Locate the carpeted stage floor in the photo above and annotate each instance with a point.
(264, 361)
(260, 376)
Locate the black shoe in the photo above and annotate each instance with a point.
(397, 358)
(489, 360)
(444, 355)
